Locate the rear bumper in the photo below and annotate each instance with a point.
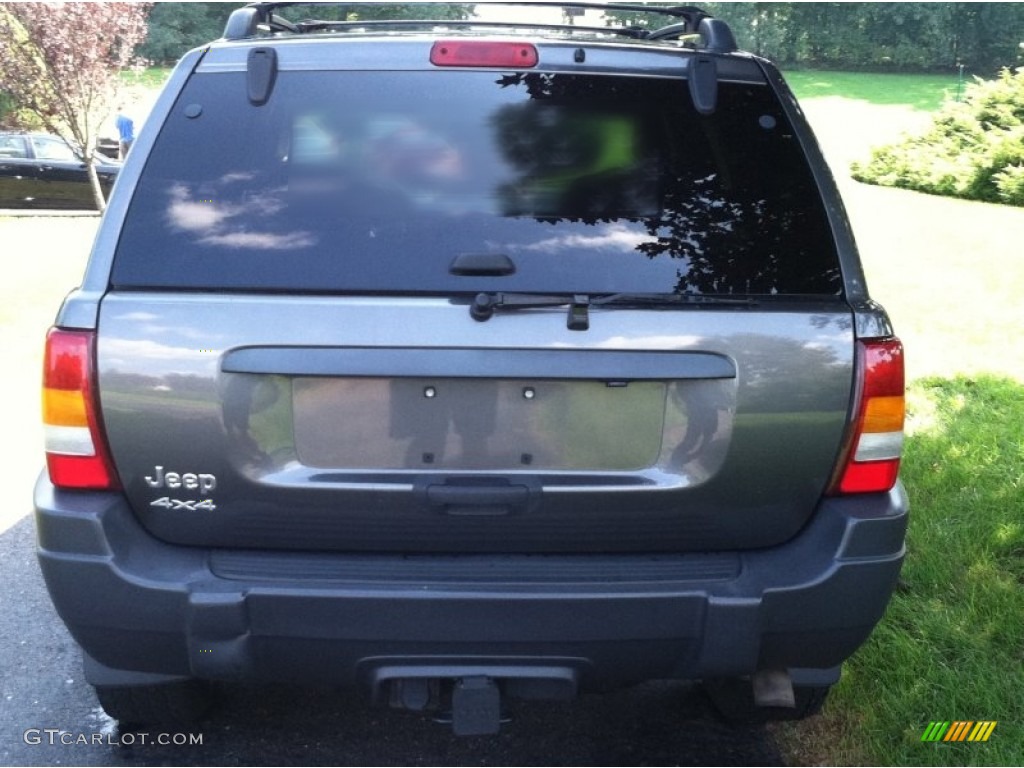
(138, 605)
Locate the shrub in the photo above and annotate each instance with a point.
(1010, 183)
(974, 149)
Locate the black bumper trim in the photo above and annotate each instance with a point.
(136, 603)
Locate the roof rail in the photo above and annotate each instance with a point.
(689, 23)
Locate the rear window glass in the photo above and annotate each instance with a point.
(376, 181)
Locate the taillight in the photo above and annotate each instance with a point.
(483, 53)
(872, 457)
(76, 454)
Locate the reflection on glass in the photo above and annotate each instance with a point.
(257, 416)
(426, 415)
(375, 181)
(215, 221)
(494, 425)
(574, 163)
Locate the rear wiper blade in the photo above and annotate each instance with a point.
(671, 300)
(485, 304)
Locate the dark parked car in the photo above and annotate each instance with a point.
(38, 170)
(453, 361)
(109, 149)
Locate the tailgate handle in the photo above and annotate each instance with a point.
(478, 500)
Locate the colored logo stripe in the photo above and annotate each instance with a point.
(959, 730)
(982, 730)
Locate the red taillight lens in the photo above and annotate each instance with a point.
(480, 53)
(872, 457)
(76, 454)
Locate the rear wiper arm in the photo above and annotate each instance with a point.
(672, 300)
(485, 304)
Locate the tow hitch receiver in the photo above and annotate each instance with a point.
(476, 707)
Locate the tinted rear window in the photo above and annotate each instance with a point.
(376, 181)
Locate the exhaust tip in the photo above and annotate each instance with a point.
(773, 688)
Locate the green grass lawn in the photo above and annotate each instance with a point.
(153, 77)
(925, 92)
(951, 646)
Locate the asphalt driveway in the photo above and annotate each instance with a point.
(49, 716)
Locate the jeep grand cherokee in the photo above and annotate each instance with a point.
(459, 360)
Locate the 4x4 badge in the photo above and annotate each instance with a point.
(201, 505)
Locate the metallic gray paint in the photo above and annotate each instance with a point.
(735, 462)
(81, 307)
(411, 52)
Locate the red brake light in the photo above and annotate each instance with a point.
(871, 459)
(483, 53)
(76, 453)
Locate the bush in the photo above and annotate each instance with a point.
(1010, 183)
(974, 148)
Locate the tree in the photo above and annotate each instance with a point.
(61, 61)
(889, 36)
(388, 11)
(174, 28)
(382, 12)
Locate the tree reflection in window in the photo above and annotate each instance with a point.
(728, 196)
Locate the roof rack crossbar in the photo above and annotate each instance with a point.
(675, 11)
(323, 26)
(688, 21)
(690, 13)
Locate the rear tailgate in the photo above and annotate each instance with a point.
(286, 353)
(285, 422)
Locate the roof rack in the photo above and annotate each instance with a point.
(689, 24)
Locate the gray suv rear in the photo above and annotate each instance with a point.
(465, 360)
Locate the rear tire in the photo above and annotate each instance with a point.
(733, 699)
(166, 703)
